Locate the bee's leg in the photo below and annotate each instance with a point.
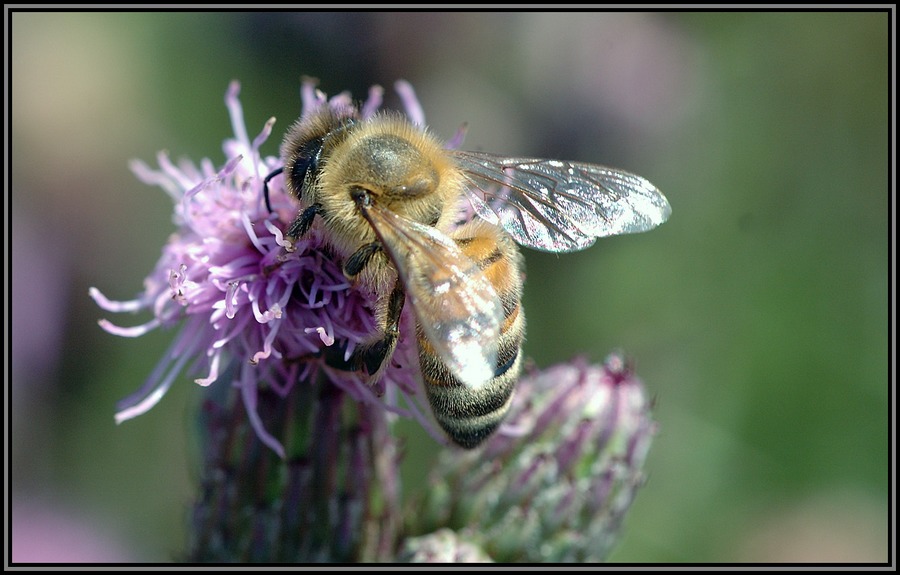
(304, 221)
(360, 258)
(372, 357)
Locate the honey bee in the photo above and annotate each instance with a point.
(390, 198)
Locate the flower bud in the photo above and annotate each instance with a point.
(442, 546)
(554, 483)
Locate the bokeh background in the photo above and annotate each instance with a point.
(757, 316)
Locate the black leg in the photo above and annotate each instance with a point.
(358, 259)
(304, 221)
(372, 357)
(395, 308)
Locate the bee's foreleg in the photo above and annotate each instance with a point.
(303, 222)
(360, 258)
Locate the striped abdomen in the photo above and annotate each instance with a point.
(470, 415)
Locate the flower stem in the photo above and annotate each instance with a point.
(333, 499)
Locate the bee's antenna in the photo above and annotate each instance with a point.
(266, 187)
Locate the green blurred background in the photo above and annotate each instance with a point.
(757, 316)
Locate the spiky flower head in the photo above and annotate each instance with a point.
(249, 303)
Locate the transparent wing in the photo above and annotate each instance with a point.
(457, 307)
(559, 206)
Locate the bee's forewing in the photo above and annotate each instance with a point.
(456, 306)
(559, 206)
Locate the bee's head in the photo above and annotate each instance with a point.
(307, 144)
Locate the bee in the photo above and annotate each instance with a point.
(390, 198)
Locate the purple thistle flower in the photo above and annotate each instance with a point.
(244, 294)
